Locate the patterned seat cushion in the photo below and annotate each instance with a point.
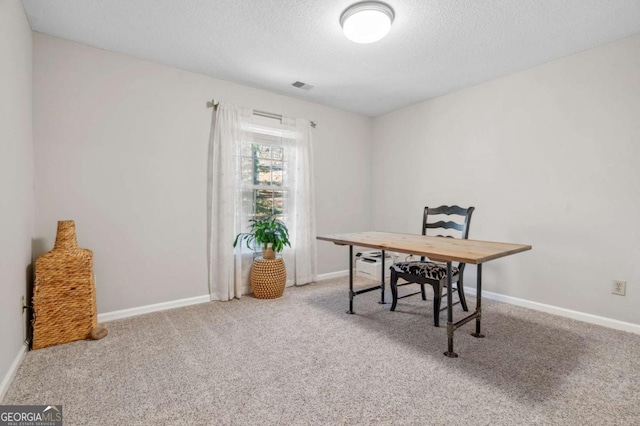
(431, 270)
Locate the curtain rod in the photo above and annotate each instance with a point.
(213, 104)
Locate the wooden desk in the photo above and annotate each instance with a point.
(436, 249)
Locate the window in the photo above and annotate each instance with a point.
(263, 165)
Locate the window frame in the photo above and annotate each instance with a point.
(264, 132)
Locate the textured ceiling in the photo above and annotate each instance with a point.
(434, 47)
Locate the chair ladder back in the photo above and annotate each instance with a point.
(445, 225)
(448, 224)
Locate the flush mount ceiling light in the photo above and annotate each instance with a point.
(367, 22)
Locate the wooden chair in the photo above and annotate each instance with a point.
(434, 273)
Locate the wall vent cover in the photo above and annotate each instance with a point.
(301, 85)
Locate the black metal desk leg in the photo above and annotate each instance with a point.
(350, 311)
(478, 332)
(450, 326)
(382, 283)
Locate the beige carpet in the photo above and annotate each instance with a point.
(300, 360)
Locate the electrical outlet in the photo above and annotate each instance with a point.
(619, 287)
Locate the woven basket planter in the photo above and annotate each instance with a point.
(268, 278)
(64, 296)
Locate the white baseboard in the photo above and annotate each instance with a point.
(11, 374)
(550, 309)
(132, 312)
(140, 310)
(331, 275)
(555, 310)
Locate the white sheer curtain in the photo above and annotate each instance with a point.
(228, 130)
(298, 143)
(230, 207)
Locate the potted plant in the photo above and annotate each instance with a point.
(268, 275)
(269, 233)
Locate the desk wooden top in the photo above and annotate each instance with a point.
(435, 248)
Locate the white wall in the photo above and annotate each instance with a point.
(548, 157)
(16, 181)
(121, 148)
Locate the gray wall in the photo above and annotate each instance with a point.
(548, 157)
(121, 148)
(16, 181)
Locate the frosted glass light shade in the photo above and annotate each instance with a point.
(367, 22)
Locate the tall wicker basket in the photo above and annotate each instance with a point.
(64, 297)
(268, 278)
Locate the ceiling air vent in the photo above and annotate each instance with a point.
(301, 85)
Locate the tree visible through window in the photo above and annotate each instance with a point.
(263, 178)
